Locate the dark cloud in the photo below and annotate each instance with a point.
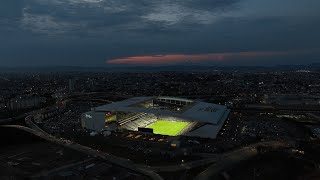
(212, 4)
(11, 8)
(80, 32)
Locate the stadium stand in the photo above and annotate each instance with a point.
(139, 120)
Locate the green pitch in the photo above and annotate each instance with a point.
(169, 128)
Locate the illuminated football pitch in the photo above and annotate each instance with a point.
(169, 128)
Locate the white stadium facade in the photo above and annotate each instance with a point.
(200, 119)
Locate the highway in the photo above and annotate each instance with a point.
(218, 161)
(225, 162)
(125, 163)
(29, 122)
(182, 166)
(229, 159)
(47, 173)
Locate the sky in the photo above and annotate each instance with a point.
(159, 32)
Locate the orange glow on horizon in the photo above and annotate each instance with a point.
(210, 57)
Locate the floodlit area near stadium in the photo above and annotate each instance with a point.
(170, 128)
(162, 115)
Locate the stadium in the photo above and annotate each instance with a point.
(169, 116)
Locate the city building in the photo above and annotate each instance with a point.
(72, 83)
(25, 102)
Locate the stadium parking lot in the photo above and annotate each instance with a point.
(238, 130)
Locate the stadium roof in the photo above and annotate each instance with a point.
(209, 130)
(196, 111)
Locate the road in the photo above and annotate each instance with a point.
(216, 159)
(47, 173)
(125, 163)
(226, 161)
(29, 122)
(219, 161)
(182, 166)
(229, 159)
